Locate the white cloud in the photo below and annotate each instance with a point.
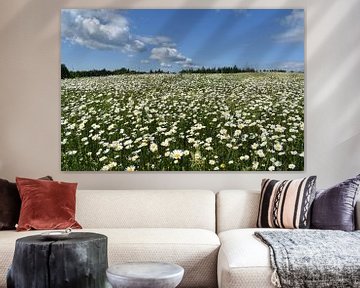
(295, 34)
(157, 40)
(97, 29)
(105, 29)
(108, 29)
(295, 18)
(162, 64)
(168, 55)
(291, 66)
(294, 24)
(144, 61)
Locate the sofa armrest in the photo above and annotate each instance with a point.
(357, 215)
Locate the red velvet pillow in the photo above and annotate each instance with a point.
(46, 204)
(10, 204)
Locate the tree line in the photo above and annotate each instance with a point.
(66, 73)
(225, 69)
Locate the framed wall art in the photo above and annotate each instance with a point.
(182, 90)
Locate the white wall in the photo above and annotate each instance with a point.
(30, 94)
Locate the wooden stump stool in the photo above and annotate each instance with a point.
(78, 261)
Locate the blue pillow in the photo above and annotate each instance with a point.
(334, 208)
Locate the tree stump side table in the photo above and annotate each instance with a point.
(78, 261)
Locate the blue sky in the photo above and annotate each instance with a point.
(183, 38)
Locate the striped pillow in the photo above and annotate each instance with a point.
(286, 204)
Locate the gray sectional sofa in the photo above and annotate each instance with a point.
(209, 234)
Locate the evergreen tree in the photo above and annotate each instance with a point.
(65, 73)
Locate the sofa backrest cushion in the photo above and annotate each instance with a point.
(236, 209)
(146, 209)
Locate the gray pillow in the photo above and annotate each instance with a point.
(334, 208)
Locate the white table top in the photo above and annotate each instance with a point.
(146, 270)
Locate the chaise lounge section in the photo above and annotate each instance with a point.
(244, 260)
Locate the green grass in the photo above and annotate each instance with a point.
(183, 122)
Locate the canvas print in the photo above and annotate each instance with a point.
(182, 90)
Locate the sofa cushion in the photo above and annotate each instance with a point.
(10, 204)
(244, 261)
(46, 204)
(146, 209)
(194, 249)
(236, 209)
(286, 204)
(334, 208)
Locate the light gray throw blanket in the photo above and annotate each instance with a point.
(314, 258)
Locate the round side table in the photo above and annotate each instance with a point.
(78, 261)
(145, 275)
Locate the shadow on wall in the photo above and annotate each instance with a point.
(335, 58)
(339, 71)
(44, 11)
(324, 40)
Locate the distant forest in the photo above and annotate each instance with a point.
(66, 73)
